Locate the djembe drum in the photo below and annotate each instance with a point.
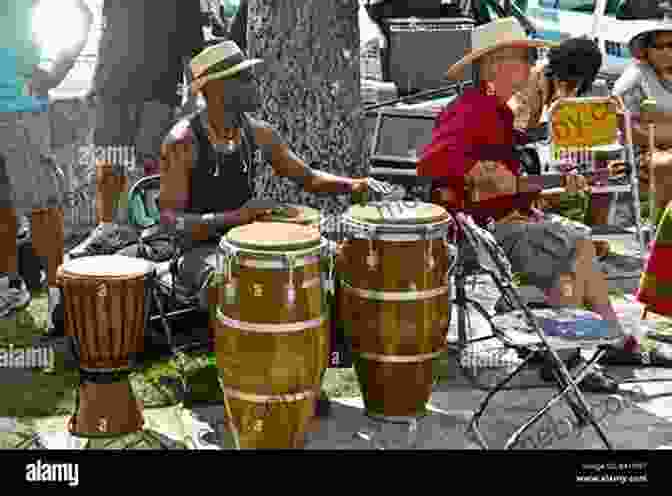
(394, 298)
(106, 304)
(272, 336)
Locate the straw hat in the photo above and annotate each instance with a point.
(219, 61)
(487, 38)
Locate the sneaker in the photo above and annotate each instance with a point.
(14, 296)
(103, 240)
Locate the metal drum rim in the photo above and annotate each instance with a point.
(225, 246)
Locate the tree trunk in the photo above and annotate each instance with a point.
(310, 90)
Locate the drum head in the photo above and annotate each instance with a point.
(108, 266)
(295, 214)
(397, 212)
(271, 236)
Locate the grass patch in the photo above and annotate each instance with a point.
(38, 393)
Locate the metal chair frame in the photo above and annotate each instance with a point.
(468, 239)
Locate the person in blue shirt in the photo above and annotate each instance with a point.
(25, 80)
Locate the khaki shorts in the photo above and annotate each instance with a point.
(543, 250)
(27, 182)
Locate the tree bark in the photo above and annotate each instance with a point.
(310, 89)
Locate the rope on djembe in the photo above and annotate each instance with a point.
(87, 376)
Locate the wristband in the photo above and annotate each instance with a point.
(227, 219)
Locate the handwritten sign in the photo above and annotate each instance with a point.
(583, 124)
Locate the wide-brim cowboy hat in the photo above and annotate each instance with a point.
(495, 35)
(638, 32)
(219, 61)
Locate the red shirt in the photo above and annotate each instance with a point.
(473, 128)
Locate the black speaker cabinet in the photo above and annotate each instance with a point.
(398, 139)
(421, 50)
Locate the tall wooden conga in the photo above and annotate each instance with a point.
(106, 304)
(272, 335)
(289, 213)
(394, 298)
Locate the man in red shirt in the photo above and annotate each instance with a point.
(475, 171)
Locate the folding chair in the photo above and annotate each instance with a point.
(478, 246)
(580, 128)
(173, 300)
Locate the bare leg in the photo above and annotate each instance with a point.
(596, 288)
(8, 248)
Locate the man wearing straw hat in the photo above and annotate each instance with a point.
(475, 171)
(208, 161)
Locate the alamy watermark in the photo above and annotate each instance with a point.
(553, 430)
(121, 156)
(27, 358)
(53, 472)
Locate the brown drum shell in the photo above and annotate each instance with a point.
(273, 363)
(109, 325)
(392, 328)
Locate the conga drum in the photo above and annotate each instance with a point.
(272, 336)
(290, 213)
(394, 297)
(106, 307)
(301, 214)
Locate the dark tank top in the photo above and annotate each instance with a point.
(221, 181)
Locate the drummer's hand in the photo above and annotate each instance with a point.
(249, 215)
(575, 183)
(373, 185)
